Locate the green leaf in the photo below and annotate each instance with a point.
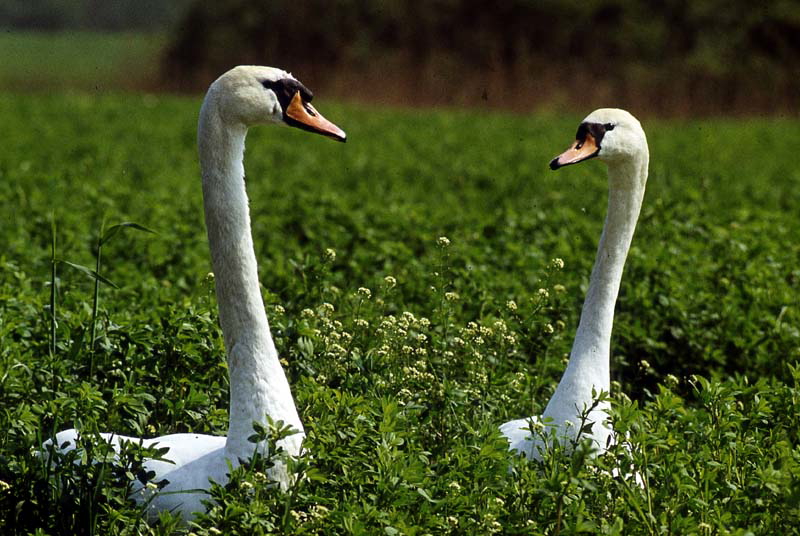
(88, 271)
(426, 496)
(113, 230)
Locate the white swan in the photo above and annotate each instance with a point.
(617, 138)
(242, 97)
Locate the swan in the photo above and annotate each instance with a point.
(615, 137)
(240, 98)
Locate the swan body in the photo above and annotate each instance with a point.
(615, 137)
(242, 97)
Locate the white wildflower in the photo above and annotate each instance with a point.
(543, 294)
(364, 292)
(319, 511)
(671, 380)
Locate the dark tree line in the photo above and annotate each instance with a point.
(732, 50)
(105, 15)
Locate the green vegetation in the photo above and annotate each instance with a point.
(79, 60)
(674, 56)
(119, 15)
(401, 385)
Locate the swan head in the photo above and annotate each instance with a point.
(610, 134)
(252, 95)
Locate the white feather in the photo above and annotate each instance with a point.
(625, 151)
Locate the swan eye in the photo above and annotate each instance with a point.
(579, 145)
(286, 88)
(609, 126)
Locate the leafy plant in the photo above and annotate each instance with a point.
(404, 351)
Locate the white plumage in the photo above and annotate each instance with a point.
(615, 137)
(242, 97)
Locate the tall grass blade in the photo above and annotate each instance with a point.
(89, 272)
(114, 229)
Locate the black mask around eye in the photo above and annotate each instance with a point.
(285, 89)
(597, 130)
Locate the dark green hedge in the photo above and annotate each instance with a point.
(741, 53)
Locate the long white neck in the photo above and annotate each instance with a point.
(258, 385)
(589, 360)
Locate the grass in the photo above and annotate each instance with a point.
(39, 61)
(401, 385)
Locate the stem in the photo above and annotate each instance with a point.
(559, 512)
(53, 274)
(96, 299)
(53, 290)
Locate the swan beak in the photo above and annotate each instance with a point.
(302, 115)
(578, 152)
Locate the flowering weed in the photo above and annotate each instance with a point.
(423, 286)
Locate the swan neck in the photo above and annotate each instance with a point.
(225, 203)
(588, 368)
(258, 385)
(593, 338)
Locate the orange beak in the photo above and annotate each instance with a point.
(302, 115)
(578, 152)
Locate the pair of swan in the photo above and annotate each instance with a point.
(250, 95)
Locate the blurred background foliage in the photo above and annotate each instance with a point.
(104, 15)
(664, 54)
(670, 56)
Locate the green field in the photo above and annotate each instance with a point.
(401, 392)
(89, 61)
